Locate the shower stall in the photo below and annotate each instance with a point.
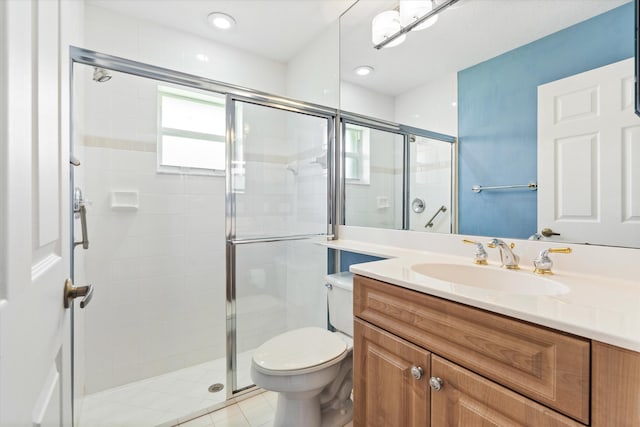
(204, 204)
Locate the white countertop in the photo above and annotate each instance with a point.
(596, 307)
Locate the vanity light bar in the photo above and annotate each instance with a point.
(436, 9)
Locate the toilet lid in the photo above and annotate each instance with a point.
(299, 349)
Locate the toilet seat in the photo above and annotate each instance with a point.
(299, 351)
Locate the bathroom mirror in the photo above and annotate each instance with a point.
(637, 57)
(475, 73)
(397, 177)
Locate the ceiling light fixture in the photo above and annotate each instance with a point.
(363, 70)
(412, 10)
(385, 25)
(390, 28)
(221, 21)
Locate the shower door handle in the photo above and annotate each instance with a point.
(72, 292)
(83, 222)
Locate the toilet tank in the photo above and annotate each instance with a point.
(340, 300)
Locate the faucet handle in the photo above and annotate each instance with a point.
(480, 254)
(543, 263)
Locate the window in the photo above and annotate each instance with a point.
(191, 132)
(356, 154)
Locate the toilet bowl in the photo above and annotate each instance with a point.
(311, 368)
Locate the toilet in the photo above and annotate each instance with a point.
(311, 368)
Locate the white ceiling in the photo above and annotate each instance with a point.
(468, 33)
(276, 29)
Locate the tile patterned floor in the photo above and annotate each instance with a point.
(257, 411)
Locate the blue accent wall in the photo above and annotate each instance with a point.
(348, 258)
(497, 118)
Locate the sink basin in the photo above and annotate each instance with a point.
(492, 278)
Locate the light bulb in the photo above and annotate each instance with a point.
(363, 70)
(221, 21)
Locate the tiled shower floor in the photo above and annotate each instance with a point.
(162, 400)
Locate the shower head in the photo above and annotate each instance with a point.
(101, 75)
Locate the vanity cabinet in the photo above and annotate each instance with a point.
(495, 370)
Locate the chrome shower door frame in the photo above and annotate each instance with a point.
(232, 241)
(236, 93)
(407, 132)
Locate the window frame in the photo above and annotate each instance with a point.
(362, 156)
(190, 96)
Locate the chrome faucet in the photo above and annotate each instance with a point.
(480, 255)
(507, 257)
(543, 263)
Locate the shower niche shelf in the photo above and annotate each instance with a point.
(125, 200)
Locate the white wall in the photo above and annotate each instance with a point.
(432, 106)
(357, 99)
(115, 34)
(313, 73)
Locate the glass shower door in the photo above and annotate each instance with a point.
(277, 210)
(431, 185)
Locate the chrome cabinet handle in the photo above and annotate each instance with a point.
(417, 372)
(436, 383)
(72, 292)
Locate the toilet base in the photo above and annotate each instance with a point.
(298, 409)
(305, 411)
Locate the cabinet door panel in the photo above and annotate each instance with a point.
(547, 366)
(615, 386)
(385, 391)
(469, 400)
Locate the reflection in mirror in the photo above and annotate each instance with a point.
(397, 177)
(482, 84)
(430, 185)
(373, 165)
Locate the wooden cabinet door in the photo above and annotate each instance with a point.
(385, 391)
(469, 400)
(615, 386)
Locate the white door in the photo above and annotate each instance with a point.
(589, 157)
(34, 253)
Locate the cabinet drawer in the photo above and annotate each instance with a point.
(467, 399)
(549, 367)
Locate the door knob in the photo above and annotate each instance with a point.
(547, 232)
(71, 292)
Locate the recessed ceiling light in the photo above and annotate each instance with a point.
(221, 21)
(363, 70)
